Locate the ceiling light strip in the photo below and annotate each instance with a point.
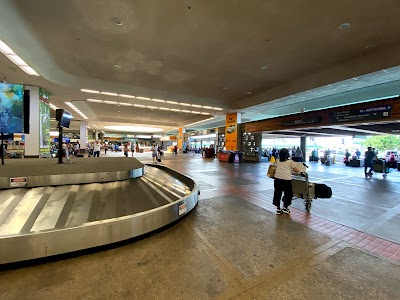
(147, 106)
(76, 110)
(199, 122)
(18, 61)
(150, 99)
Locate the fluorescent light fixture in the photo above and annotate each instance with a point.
(143, 98)
(94, 100)
(18, 61)
(217, 108)
(196, 105)
(146, 129)
(185, 104)
(165, 108)
(89, 91)
(185, 111)
(175, 109)
(28, 70)
(157, 136)
(109, 94)
(53, 107)
(195, 112)
(139, 105)
(152, 107)
(204, 136)
(143, 136)
(205, 113)
(125, 104)
(77, 110)
(126, 96)
(5, 49)
(172, 102)
(110, 102)
(207, 107)
(157, 100)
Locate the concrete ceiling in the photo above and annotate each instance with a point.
(258, 57)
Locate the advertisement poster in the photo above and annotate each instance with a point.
(180, 138)
(231, 132)
(44, 123)
(11, 108)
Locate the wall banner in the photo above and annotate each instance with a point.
(231, 132)
(44, 123)
(180, 138)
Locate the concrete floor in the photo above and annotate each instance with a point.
(233, 246)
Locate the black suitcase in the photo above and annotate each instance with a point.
(328, 163)
(159, 159)
(322, 191)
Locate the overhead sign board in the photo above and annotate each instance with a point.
(371, 113)
(301, 121)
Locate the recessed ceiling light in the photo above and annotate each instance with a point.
(109, 94)
(165, 108)
(249, 93)
(125, 104)
(117, 66)
(185, 104)
(126, 96)
(143, 98)
(152, 107)
(205, 113)
(217, 108)
(186, 111)
(196, 105)
(172, 102)
(89, 91)
(175, 109)
(117, 21)
(195, 112)
(110, 102)
(344, 26)
(139, 105)
(94, 100)
(207, 107)
(264, 68)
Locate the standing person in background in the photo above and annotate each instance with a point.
(283, 182)
(132, 148)
(126, 149)
(105, 148)
(369, 156)
(298, 155)
(358, 153)
(154, 153)
(96, 149)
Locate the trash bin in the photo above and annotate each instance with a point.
(231, 157)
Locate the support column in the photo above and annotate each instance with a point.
(32, 139)
(83, 135)
(303, 144)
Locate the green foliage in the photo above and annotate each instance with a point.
(383, 142)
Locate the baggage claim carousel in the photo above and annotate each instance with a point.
(48, 208)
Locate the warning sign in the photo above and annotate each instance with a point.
(18, 182)
(182, 208)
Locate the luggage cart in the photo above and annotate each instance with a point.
(303, 189)
(380, 166)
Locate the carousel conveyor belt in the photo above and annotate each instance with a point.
(28, 211)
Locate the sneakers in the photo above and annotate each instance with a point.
(286, 210)
(279, 211)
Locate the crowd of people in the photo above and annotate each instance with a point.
(294, 153)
